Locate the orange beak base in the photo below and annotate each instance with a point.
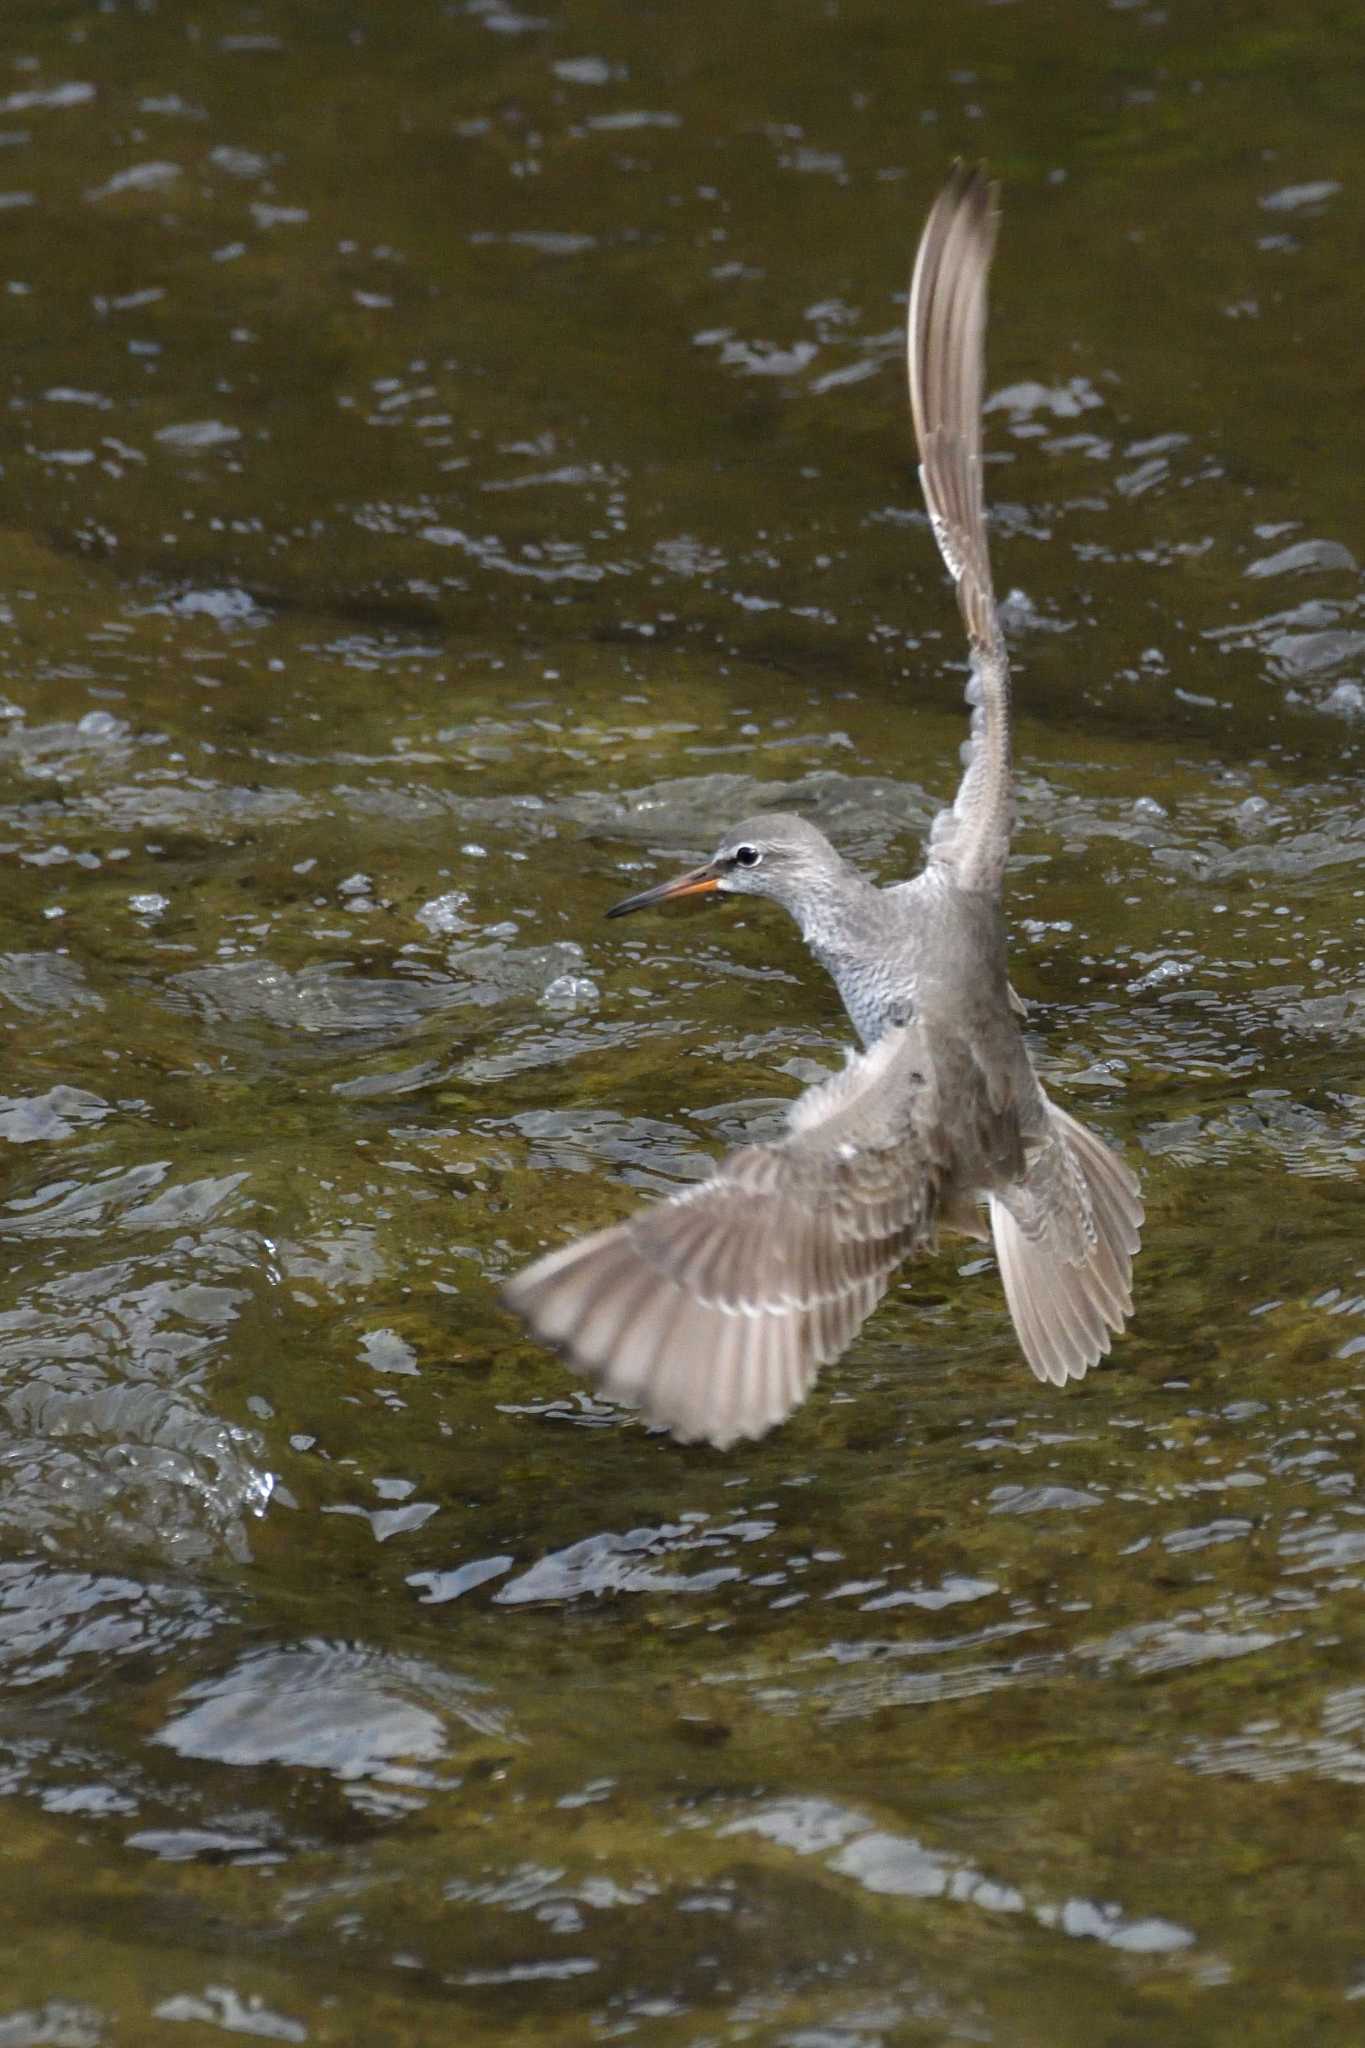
(698, 882)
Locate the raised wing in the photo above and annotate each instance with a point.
(714, 1311)
(945, 347)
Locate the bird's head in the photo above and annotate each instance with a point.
(778, 855)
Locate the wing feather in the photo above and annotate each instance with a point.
(714, 1311)
(945, 350)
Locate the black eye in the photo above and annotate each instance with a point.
(747, 856)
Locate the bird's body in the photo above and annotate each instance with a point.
(713, 1311)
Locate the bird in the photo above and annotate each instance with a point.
(713, 1311)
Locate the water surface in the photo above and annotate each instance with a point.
(454, 464)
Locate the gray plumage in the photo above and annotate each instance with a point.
(714, 1311)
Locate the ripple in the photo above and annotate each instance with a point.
(35, 982)
(326, 1707)
(190, 436)
(108, 1426)
(890, 1864)
(1160, 1646)
(638, 1561)
(148, 177)
(1301, 557)
(321, 1001)
(220, 2006)
(58, 2022)
(1267, 1754)
(61, 1626)
(43, 1119)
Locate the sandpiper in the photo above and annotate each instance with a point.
(713, 1311)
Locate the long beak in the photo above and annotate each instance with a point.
(696, 882)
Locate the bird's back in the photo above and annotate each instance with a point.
(964, 1015)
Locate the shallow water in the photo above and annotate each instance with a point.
(454, 465)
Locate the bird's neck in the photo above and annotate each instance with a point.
(850, 930)
(924, 949)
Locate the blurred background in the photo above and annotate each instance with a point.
(453, 462)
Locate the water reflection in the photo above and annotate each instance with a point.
(327, 1707)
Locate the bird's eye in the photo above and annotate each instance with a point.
(747, 856)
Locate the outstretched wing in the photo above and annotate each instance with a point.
(945, 347)
(714, 1311)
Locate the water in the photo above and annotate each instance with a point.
(455, 463)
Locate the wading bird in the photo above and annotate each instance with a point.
(713, 1311)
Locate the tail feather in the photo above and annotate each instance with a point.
(1065, 1241)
